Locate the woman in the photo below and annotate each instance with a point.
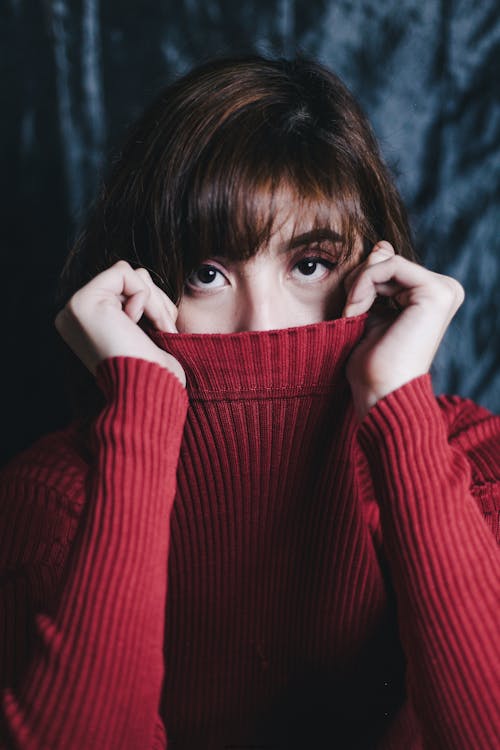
(262, 529)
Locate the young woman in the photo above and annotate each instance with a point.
(262, 528)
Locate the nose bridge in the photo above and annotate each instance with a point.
(263, 305)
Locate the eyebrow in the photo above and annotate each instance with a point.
(315, 235)
(306, 238)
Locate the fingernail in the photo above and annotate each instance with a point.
(383, 246)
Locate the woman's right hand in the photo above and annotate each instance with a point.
(100, 320)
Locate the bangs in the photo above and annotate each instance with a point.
(217, 163)
(245, 188)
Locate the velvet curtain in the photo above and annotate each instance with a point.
(75, 73)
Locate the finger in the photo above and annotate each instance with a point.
(161, 306)
(145, 301)
(371, 294)
(172, 308)
(381, 251)
(378, 279)
(134, 305)
(405, 280)
(117, 283)
(132, 290)
(122, 281)
(118, 279)
(384, 247)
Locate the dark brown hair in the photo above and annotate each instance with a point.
(200, 171)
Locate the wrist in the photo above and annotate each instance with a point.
(365, 398)
(363, 402)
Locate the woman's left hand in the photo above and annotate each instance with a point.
(398, 345)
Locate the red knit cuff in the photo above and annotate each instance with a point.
(406, 411)
(405, 440)
(143, 397)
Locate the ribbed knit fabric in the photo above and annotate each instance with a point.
(254, 568)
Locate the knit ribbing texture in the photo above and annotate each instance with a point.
(243, 564)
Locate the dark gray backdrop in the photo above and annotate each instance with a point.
(76, 73)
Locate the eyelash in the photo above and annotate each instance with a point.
(318, 259)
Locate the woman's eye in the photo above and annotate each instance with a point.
(313, 268)
(206, 276)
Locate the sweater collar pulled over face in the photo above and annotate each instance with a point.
(272, 531)
(308, 358)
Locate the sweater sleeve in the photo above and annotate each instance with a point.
(94, 680)
(443, 557)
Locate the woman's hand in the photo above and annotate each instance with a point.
(397, 346)
(100, 320)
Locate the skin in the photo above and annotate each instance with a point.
(279, 287)
(397, 346)
(274, 290)
(294, 281)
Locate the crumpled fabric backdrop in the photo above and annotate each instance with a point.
(76, 74)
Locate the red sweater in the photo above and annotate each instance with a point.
(252, 568)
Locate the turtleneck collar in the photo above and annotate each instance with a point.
(301, 359)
